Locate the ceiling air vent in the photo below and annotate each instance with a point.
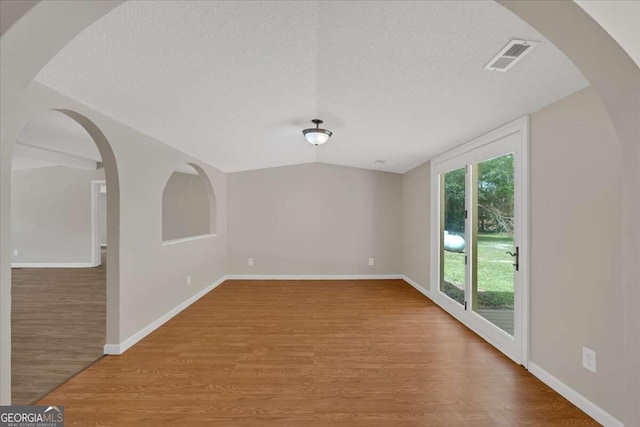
(513, 52)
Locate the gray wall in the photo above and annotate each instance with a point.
(416, 190)
(616, 79)
(576, 235)
(315, 219)
(185, 207)
(51, 211)
(576, 232)
(145, 279)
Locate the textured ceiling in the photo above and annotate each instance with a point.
(233, 83)
(54, 132)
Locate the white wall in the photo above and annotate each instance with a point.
(576, 247)
(315, 219)
(51, 211)
(621, 19)
(103, 219)
(416, 221)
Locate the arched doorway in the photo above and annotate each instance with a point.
(63, 177)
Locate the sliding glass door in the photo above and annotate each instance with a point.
(493, 240)
(453, 257)
(480, 235)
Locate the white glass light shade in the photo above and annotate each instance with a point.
(317, 138)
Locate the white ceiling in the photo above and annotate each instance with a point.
(52, 138)
(234, 83)
(19, 163)
(53, 130)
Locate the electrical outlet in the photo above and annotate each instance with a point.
(589, 359)
(250, 261)
(15, 252)
(371, 261)
(188, 279)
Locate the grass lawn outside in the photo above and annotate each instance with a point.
(495, 272)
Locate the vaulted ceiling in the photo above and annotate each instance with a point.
(233, 83)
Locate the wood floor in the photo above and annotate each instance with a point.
(287, 353)
(58, 323)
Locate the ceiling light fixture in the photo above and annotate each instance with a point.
(317, 136)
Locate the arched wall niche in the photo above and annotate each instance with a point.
(189, 208)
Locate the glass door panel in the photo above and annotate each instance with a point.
(493, 244)
(452, 248)
(479, 237)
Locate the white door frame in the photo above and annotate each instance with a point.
(477, 150)
(96, 248)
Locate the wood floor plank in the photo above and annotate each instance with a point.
(58, 318)
(278, 353)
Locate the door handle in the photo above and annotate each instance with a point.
(517, 257)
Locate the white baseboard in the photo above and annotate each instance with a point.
(52, 265)
(590, 408)
(419, 288)
(115, 349)
(313, 276)
(112, 349)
